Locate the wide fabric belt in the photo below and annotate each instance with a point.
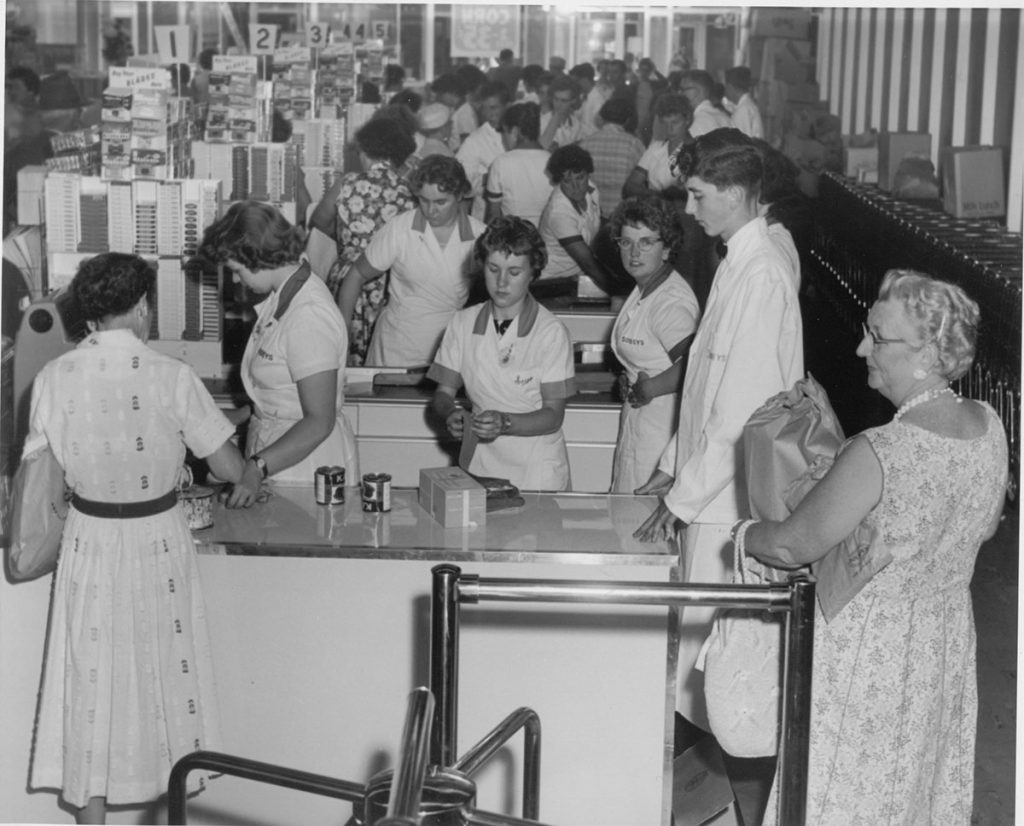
(125, 510)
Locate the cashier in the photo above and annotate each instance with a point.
(429, 251)
(294, 362)
(515, 360)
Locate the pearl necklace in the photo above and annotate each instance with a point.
(921, 398)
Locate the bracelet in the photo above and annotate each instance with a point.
(741, 535)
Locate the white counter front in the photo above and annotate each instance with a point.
(319, 621)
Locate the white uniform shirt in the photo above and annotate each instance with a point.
(747, 117)
(512, 373)
(645, 331)
(569, 132)
(464, 122)
(749, 346)
(656, 161)
(708, 117)
(517, 179)
(476, 155)
(560, 221)
(428, 284)
(309, 338)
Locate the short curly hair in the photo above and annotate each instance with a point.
(380, 141)
(512, 235)
(652, 212)
(110, 284)
(254, 234)
(571, 158)
(942, 313)
(447, 174)
(525, 117)
(673, 103)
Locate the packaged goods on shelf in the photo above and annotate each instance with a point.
(972, 181)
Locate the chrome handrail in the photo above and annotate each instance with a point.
(407, 785)
(477, 756)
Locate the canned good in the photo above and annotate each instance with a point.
(329, 485)
(377, 492)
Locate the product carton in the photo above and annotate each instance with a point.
(973, 183)
(893, 147)
(860, 162)
(453, 497)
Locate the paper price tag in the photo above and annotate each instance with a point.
(262, 38)
(317, 35)
(173, 43)
(134, 77)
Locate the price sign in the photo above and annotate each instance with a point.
(483, 31)
(243, 64)
(173, 43)
(318, 35)
(262, 38)
(286, 56)
(137, 77)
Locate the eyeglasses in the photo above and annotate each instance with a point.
(877, 340)
(645, 244)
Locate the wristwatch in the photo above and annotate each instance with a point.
(506, 424)
(261, 465)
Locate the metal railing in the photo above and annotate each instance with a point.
(428, 747)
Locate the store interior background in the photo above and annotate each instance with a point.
(955, 73)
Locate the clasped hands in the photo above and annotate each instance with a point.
(636, 394)
(486, 424)
(662, 525)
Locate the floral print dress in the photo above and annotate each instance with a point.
(365, 202)
(894, 687)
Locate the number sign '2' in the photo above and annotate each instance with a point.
(262, 38)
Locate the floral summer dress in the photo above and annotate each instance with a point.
(128, 683)
(894, 697)
(365, 202)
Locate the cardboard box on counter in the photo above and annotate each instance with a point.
(860, 161)
(781, 22)
(453, 497)
(893, 147)
(973, 183)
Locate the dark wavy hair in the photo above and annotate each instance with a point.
(255, 235)
(512, 235)
(652, 212)
(379, 139)
(571, 158)
(673, 103)
(723, 158)
(447, 174)
(111, 283)
(525, 117)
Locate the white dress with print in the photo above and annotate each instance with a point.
(128, 684)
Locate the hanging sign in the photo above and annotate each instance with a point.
(262, 38)
(380, 29)
(318, 35)
(483, 31)
(173, 43)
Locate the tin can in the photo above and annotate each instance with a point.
(329, 485)
(377, 492)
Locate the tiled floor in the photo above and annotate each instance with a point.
(995, 612)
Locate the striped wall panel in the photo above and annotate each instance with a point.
(956, 73)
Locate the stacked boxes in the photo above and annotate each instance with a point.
(77, 151)
(145, 134)
(453, 497)
(336, 79)
(234, 112)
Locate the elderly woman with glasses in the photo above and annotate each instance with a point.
(895, 701)
(651, 338)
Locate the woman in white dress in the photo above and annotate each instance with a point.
(515, 360)
(651, 338)
(293, 368)
(127, 687)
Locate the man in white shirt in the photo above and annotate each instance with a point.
(698, 87)
(478, 151)
(560, 125)
(748, 347)
(745, 115)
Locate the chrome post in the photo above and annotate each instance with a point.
(796, 705)
(444, 662)
(407, 785)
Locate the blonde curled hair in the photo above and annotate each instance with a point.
(942, 313)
